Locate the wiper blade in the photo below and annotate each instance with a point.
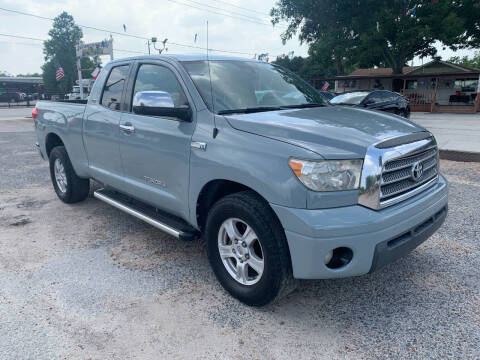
(249, 110)
(302, 106)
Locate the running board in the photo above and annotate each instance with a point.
(170, 224)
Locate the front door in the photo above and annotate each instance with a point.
(155, 151)
(101, 129)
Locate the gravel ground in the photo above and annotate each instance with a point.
(86, 281)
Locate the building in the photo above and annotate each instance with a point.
(437, 86)
(27, 85)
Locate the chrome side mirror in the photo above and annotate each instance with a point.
(159, 103)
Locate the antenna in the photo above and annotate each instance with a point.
(215, 130)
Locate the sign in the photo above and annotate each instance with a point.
(95, 49)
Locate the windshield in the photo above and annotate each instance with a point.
(242, 85)
(351, 98)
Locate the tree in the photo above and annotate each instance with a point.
(30, 75)
(469, 11)
(321, 23)
(59, 50)
(88, 65)
(473, 62)
(5, 73)
(371, 32)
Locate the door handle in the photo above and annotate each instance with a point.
(127, 128)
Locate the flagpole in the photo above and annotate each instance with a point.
(80, 82)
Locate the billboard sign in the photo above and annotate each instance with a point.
(94, 49)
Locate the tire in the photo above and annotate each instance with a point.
(246, 210)
(70, 188)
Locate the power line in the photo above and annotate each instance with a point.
(249, 19)
(21, 37)
(226, 10)
(37, 39)
(243, 8)
(131, 35)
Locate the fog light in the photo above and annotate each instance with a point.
(340, 257)
(328, 257)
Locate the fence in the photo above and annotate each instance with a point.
(419, 97)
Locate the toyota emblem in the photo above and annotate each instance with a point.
(417, 171)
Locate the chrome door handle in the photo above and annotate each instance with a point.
(127, 128)
(198, 145)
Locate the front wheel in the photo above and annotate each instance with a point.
(247, 249)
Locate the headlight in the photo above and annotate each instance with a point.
(328, 175)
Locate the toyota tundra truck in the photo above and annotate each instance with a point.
(247, 156)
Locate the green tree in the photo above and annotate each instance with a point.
(59, 50)
(5, 73)
(371, 32)
(469, 11)
(88, 65)
(473, 62)
(30, 75)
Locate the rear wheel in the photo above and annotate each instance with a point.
(69, 187)
(247, 249)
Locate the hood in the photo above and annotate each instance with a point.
(334, 132)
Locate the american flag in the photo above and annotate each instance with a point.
(325, 86)
(59, 74)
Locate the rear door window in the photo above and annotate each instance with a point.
(112, 92)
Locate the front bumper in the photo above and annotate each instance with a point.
(375, 237)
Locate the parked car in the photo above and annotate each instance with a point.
(248, 156)
(326, 95)
(382, 100)
(10, 97)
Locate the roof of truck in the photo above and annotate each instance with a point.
(186, 57)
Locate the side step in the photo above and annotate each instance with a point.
(161, 220)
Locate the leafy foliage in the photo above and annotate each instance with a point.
(60, 51)
(467, 61)
(352, 33)
(469, 11)
(30, 75)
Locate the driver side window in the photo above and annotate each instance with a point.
(159, 78)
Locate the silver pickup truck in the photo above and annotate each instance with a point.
(246, 154)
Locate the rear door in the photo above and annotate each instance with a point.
(101, 127)
(156, 152)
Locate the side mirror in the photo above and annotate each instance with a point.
(159, 103)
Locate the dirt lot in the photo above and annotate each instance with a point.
(87, 281)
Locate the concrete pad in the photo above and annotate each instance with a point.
(454, 132)
(15, 113)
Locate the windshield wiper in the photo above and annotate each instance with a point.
(303, 106)
(249, 110)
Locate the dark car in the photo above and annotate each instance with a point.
(10, 97)
(383, 100)
(326, 95)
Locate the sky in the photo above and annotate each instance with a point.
(170, 19)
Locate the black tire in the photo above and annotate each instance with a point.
(77, 189)
(276, 280)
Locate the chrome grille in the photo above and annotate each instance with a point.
(397, 178)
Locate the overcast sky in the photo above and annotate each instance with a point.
(161, 18)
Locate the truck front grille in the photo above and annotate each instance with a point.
(403, 175)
